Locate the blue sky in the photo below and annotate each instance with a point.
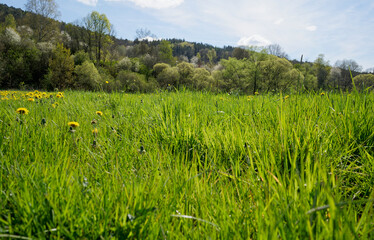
(339, 29)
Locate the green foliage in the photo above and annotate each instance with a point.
(322, 69)
(277, 74)
(237, 74)
(364, 81)
(97, 28)
(60, 70)
(169, 77)
(80, 57)
(135, 82)
(19, 62)
(202, 80)
(159, 67)
(9, 22)
(165, 53)
(124, 64)
(87, 76)
(186, 71)
(240, 53)
(26, 50)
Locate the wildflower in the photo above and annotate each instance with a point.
(286, 97)
(322, 93)
(22, 111)
(54, 105)
(60, 95)
(99, 113)
(95, 131)
(31, 100)
(256, 93)
(73, 124)
(106, 82)
(94, 121)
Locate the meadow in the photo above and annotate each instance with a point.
(186, 165)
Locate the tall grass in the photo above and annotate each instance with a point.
(188, 165)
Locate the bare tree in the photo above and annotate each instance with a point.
(348, 67)
(143, 33)
(43, 21)
(276, 50)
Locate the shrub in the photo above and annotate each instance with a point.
(168, 77)
(135, 82)
(88, 78)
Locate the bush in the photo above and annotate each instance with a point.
(80, 57)
(135, 82)
(202, 79)
(168, 77)
(88, 78)
(364, 81)
(186, 71)
(124, 64)
(159, 67)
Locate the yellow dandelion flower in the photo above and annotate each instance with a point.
(106, 82)
(322, 93)
(286, 97)
(99, 113)
(256, 93)
(73, 124)
(95, 131)
(22, 111)
(31, 100)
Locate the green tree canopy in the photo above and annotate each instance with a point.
(61, 68)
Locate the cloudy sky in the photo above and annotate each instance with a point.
(339, 29)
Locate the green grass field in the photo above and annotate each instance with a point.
(187, 166)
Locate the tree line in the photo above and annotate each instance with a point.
(37, 51)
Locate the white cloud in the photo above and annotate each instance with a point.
(149, 39)
(254, 40)
(88, 2)
(311, 28)
(279, 21)
(156, 4)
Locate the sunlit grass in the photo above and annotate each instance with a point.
(186, 165)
